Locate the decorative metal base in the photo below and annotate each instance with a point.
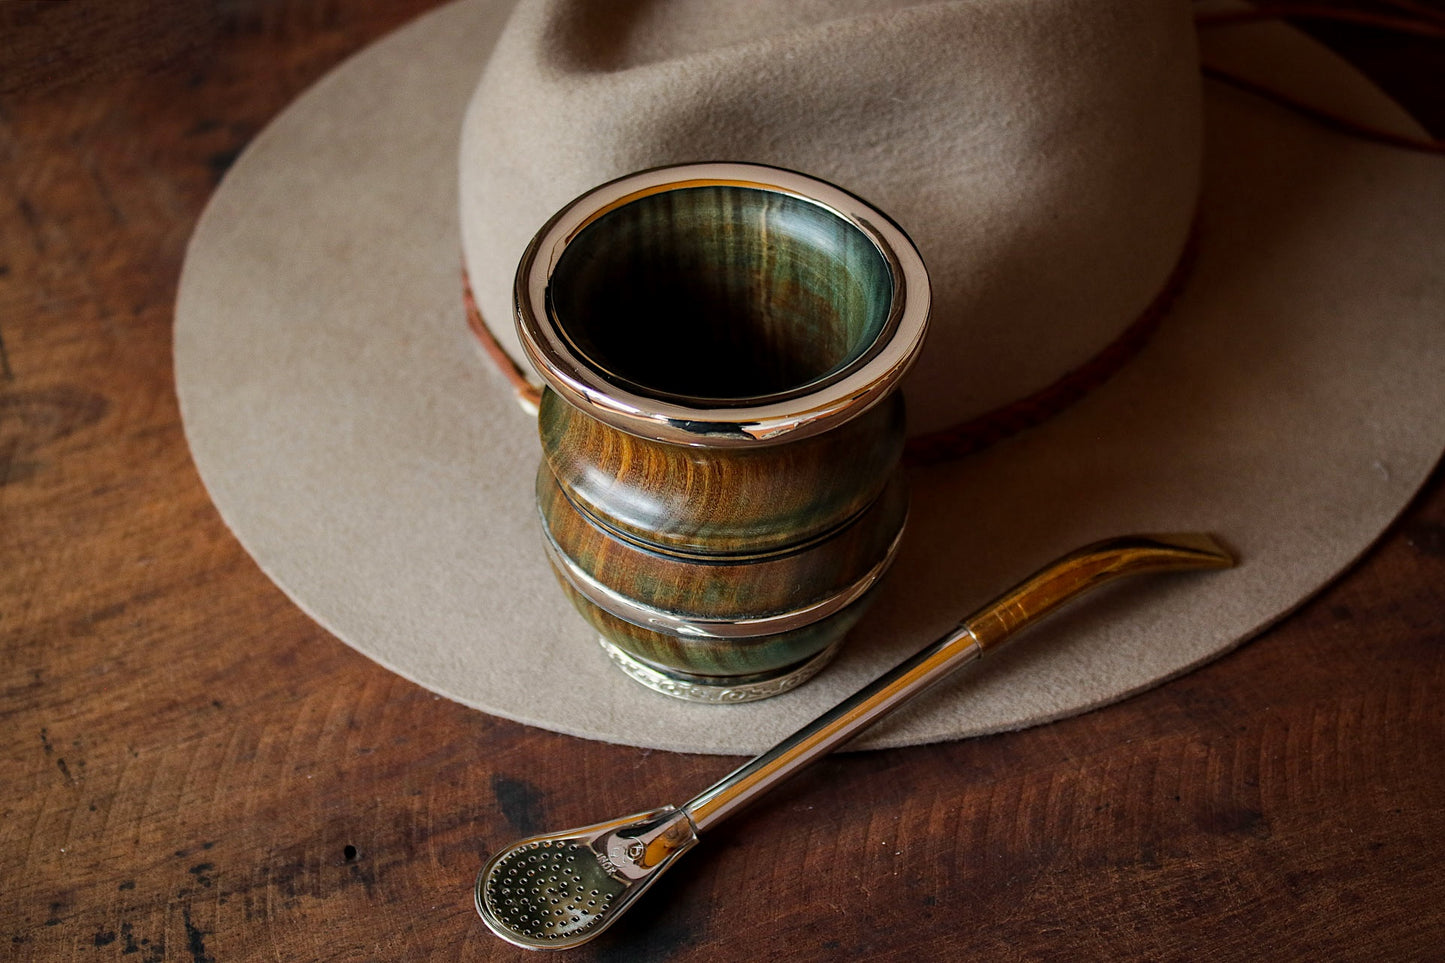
(718, 690)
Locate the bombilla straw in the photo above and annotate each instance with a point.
(562, 889)
(984, 630)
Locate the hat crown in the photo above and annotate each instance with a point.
(1044, 156)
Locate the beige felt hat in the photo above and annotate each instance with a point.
(1054, 160)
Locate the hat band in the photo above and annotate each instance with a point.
(1034, 409)
(967, 436)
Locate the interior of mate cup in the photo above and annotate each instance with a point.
(721, 294)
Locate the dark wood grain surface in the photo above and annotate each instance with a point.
(191, 770)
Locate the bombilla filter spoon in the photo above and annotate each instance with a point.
(560, 890)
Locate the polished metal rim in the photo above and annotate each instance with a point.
(669, 418)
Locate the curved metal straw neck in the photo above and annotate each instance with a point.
(994, 623)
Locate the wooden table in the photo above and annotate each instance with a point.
(192, 770)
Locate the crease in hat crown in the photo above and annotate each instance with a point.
(794, 412)
(1044, 156)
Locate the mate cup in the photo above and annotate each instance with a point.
(721, 346)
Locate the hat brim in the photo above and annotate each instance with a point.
(380, 473)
